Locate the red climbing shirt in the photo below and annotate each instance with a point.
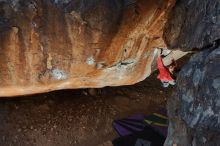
(164, 74)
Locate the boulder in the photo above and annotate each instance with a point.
(194, 109)
(193, 24)
(54, 44)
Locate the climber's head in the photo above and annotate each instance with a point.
(171, 68)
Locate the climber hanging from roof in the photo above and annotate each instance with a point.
(166, 75)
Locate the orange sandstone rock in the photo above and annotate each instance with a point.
(48, 45)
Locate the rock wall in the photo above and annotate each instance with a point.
(52, 44)
(193, 24)
(194, 109)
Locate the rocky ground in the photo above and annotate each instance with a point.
(75, 117)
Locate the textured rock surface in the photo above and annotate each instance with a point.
(51, 45)
(193, 24)
(194, 109)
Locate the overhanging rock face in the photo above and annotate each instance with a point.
(51, 45)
